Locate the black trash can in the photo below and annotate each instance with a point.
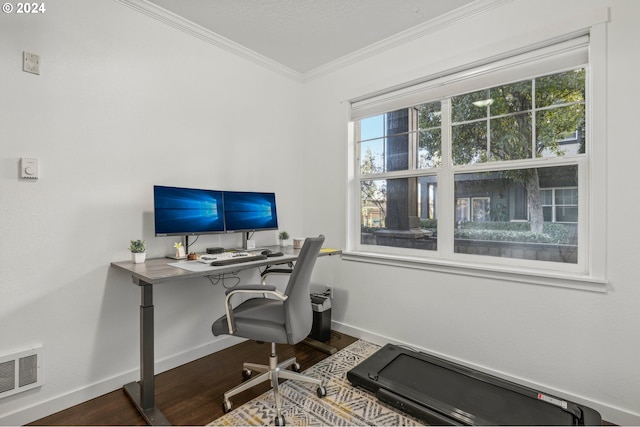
(321, 329)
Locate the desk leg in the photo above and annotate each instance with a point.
(318, 345)
(143, 393)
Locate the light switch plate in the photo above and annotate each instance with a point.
(30, 63)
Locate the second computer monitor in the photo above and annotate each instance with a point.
(249, 211)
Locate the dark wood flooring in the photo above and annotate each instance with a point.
(192, 394)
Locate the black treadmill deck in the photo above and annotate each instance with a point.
(441, 392)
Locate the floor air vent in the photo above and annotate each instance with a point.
(20, 371)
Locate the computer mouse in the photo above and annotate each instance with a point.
(266, 252)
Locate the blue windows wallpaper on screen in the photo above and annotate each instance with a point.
(250, 211)
(186, 211)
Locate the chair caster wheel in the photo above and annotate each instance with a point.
(295, 367)
(227, 406)
(279, 420)
(321, 391)
(246, 374)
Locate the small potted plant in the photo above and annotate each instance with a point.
(283, 236)
(138, 251)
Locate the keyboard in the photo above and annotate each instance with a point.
(207, 258)
(237, 260)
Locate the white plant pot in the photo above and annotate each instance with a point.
(138, 257)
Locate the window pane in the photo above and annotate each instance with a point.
(469, 143)
(384, 142)
(511, 137)
(372, 156)
(427, 202)
(429, 153)
(562, 88)
(372, 127)
(397, 149)
(387, 154)
(373, 203)
(399, 212)
(429, 115)
(470, 106)
(494, 228)
(397, 142)
(560, 131)
(512, 98)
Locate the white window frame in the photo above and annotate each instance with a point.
(588, 274)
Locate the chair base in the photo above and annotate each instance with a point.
(272, 372)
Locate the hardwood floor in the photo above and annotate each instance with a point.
(192, 394)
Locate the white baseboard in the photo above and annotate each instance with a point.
(608, 412)
(30, 413)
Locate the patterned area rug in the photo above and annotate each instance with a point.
(344, 404)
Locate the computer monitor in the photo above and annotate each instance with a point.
(250, 211)
(187, 211)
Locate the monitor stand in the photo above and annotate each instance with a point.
(245, 242)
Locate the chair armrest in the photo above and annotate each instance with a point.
(255, 288)
(268, 272)
(248, 289)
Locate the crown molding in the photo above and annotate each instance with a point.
(160, 14)
(464, 12)
(156, 12)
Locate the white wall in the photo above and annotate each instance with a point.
(123, 102)
(577, 344)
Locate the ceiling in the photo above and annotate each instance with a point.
(303, 35)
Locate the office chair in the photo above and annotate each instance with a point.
(272, 316)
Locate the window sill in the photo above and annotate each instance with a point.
(571, 281)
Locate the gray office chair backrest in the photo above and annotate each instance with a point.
(297, 307)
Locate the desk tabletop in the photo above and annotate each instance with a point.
(159, 270)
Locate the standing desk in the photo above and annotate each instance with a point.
(155, 271)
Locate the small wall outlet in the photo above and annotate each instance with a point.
(30, 63)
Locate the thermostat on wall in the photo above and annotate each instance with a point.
(28, 168)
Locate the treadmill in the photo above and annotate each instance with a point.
(440, 392)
